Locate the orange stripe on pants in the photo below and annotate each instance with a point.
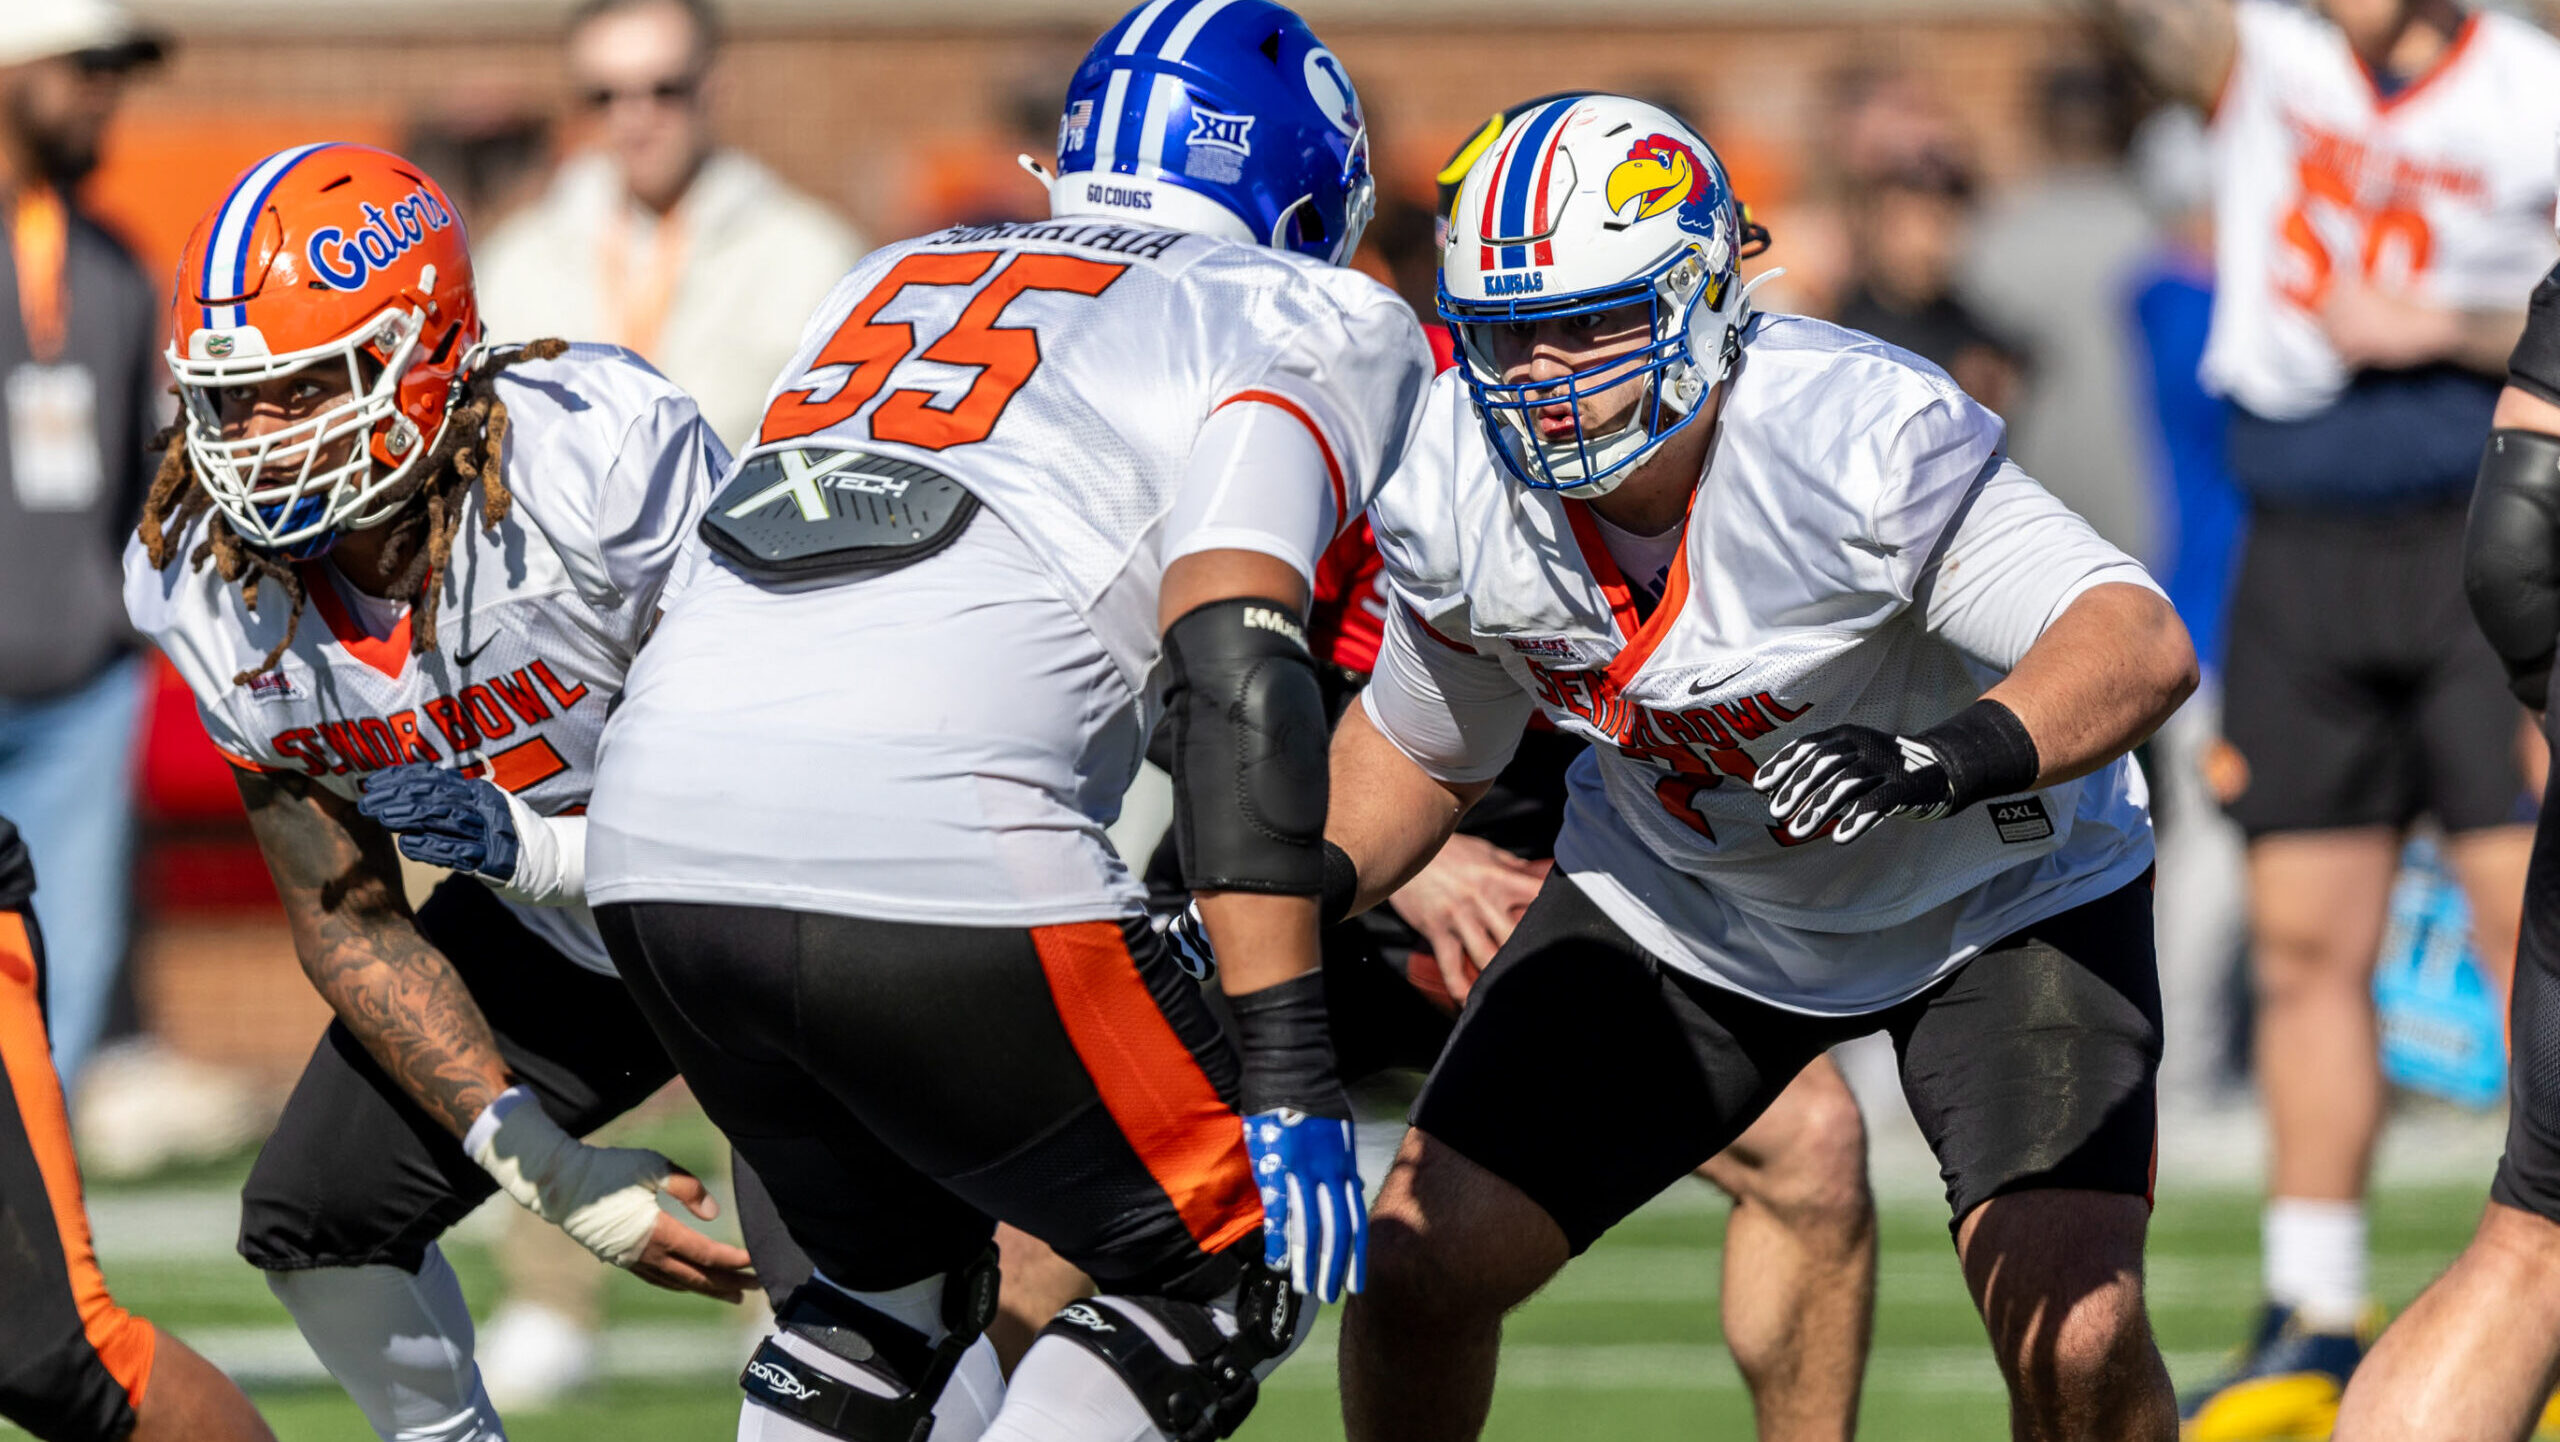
(1191, 1141)
(124, 1343)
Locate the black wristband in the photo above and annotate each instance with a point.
(1987, 753)
(1287, 1049)
(1341, 887)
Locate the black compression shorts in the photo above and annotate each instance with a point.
(1591, 1076)
(897, 1088)
(357, 1174)
(2359, 689)
(2529, 1174)
(73, 1364)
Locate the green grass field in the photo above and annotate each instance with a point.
(1623, 1346)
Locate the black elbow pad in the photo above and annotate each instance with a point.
(1249, 744)
(2535, 366)
(2511, 557)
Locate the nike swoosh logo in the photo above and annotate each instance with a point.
(465, 658)
(1700, 688)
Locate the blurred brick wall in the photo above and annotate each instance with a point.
(875, 123)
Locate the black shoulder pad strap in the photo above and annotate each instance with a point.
(2511, 557)
(1249, 743)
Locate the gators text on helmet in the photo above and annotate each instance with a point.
(322, 255)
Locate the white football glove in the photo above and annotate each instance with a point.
(606, 1198)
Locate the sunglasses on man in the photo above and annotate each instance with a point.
(677, 90)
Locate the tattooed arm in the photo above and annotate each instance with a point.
(2185, 47)
(339, 879)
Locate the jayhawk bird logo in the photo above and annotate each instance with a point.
(1662, 174)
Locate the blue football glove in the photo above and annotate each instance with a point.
(444, 818)
(1297, 1134)
(1315, 1221)
(1187, 937)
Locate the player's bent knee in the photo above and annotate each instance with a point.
(1195, 1369)
(837, 1367)
(1814, 1174)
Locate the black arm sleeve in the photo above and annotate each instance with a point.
(1249, 744)
(2511, 557)
(2535, 366)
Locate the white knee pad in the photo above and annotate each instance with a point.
(846, 1366)
(400, 1346)
(1147, 1369)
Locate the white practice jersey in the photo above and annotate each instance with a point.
(1859, 551)
(610, 467)
(945, 742)
(2442, 191)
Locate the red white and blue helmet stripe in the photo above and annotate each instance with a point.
(235, 229)
(1516, 204)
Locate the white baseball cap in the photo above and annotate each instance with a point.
(47, 28)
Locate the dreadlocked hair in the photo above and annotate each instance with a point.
(470, 452)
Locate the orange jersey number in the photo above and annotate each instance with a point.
(1005, 355)
(2394, 248)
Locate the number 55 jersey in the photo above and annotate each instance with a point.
(871, 702)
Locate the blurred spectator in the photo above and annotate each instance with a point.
(2201, 514)
(79, 376)
(2203, 906)
(1906, 228)
(692, 254)
(2047, 265)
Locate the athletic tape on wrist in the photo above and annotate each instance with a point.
(605, 1198)
(1287, 1049)
(1341, 886)
(1987, 753)
(551, 859)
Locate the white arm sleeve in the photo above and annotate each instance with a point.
(1259, 480)
(2018, 558)
(1456, 713)
(551, 858)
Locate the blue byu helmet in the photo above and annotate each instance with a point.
(1224, 117)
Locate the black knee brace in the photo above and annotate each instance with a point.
(2511, 557)
(1210, 1396)
(878, 1343)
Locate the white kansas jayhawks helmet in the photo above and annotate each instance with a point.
(1585, 204)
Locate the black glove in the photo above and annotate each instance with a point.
(1856, 776)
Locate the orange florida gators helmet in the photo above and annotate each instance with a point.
(322, 255)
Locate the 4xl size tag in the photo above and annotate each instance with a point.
(799, 513)
(2021, 818)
